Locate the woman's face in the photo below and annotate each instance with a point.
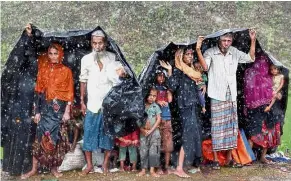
(188, 57)
(53, 55)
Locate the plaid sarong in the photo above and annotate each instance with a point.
(224, 123)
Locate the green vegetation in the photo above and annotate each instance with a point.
(286, 138)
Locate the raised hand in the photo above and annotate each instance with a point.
(252, 33)
(165, 65)
(121, 72)
(199, 42)
(28, 29)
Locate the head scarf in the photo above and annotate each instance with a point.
(44, 65)
(258, 83)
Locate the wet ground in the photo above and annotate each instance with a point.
(255, 172)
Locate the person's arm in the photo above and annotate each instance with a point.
(252, 34)
(167, 66)
(250, 57)
(281, 84)
(135, 137)
(114, 72)
(83, 84)
(170, 96)
(157, 123)
(199, 53)
(66, 115)
(158, 120)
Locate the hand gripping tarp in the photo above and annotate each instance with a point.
(242, 42)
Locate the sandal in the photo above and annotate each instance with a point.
(233, 164)
(215, 165)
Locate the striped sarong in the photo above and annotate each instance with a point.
(224, 123)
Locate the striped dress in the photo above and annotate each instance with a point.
(224, 123)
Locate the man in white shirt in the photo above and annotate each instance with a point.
(99, 73)
(221, 62)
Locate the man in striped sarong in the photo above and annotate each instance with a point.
(221, 62)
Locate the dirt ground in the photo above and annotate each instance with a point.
(256, 172)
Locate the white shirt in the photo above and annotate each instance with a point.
(99, 82)
(222, 71)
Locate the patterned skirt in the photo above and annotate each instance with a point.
(224, 123)
(54, 157)
(269, 137)
(52, 142)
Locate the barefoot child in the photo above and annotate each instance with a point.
(129, 142)
(278, 82)
(150, 139)
(76, 126)
(164, 97)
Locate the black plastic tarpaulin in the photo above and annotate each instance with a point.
(123, 106)
(241, 42)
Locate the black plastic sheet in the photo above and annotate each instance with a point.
(124, 98)
(242, 42)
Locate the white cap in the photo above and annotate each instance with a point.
(98, 33)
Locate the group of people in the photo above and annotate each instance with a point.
(185, 82)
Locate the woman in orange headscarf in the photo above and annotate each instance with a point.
(54, 94)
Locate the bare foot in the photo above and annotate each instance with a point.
(160, 172)
(181, 173)
(142, 173)
(56, 173)
(85, 171)
(265, 161)
(105, 171)
(154, 174)
(29, 174)
(170, 171)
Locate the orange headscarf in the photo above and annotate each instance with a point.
(54, 79)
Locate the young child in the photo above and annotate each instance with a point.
(129, 142)
(278, 82)
(75, 126)
(201, 83)
(113, 158)
(150, 139)
(164, 97)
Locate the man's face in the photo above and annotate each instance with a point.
(98, 43)
(53, 55)
(188, 57)
(224, 43)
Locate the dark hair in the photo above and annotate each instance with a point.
(186, 49)
(275, 66)
(149, 91)
(160, 70)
